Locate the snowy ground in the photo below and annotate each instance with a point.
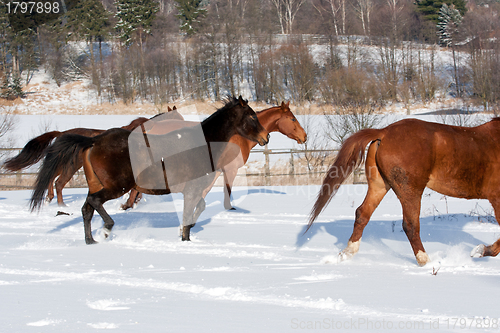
(251, 270)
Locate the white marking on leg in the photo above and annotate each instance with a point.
(351, 249)
(478, 251)
(106, 232)
(422, 258)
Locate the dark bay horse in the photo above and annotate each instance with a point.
(108, 166)
(410, 155)
(274, 119)
(35, 150)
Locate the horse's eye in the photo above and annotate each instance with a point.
(294, 119)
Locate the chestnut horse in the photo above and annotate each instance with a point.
(410, 155)
(109, 172)
(35, 149)
(274, 119)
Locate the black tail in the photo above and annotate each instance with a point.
(32, 152)
(63, 153)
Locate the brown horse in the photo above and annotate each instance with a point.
(274, 119)
(410, 155)
(35, 149)
(110, 174)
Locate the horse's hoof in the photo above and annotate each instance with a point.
(125, 207)
(62, 204)
(106, 232)
(185, 239)
(422, 258)
(344, 255)
(90, 241)
(478, 251)
(48, 200)
(232, 208)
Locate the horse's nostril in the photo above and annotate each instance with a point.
(268, 137)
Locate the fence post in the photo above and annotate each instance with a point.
(292, 164)
(267, 170)
(19, 178)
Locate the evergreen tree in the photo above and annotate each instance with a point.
(190, 12)
(88, 20)
(12, 90)
(449, 20)
(135, 16)
(15, 88)
(430, 8)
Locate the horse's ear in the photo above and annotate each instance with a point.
(242, 101)
(174, 108)
(282, 104)
(169, 109)
(288, 104)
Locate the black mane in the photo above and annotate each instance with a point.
(229, 103)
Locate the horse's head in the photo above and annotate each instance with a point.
(289, 125)
(247, 124)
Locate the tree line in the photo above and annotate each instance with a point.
(356, 55)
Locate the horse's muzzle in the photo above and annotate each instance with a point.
(263, 140)
(302, 140)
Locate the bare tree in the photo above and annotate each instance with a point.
(349, 120)
(333, 8)
(8, 121)
(287, 10)
(363, 9)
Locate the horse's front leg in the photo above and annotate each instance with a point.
(229, 176)
(186, 229)
(190, 213)
(96, 200)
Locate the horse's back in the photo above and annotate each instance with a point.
(452, 160)
(90, 132)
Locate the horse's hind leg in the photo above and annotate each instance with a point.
(96, 200)
(61, 181)
(87, 213)
(493, 249)
(50, 189)
(411, 226)
(377, 189)
(134, 197)
(50, 192)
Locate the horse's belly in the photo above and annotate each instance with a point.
(454, 187)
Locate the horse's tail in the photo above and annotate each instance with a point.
(32, 152)
(62, 154)
(350, 156)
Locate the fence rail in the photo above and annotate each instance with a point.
(297, 172)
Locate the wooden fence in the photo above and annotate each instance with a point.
(295, 171)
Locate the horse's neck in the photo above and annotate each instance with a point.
(269, 118)
(212, 128)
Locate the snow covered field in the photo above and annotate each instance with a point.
(251, 270)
